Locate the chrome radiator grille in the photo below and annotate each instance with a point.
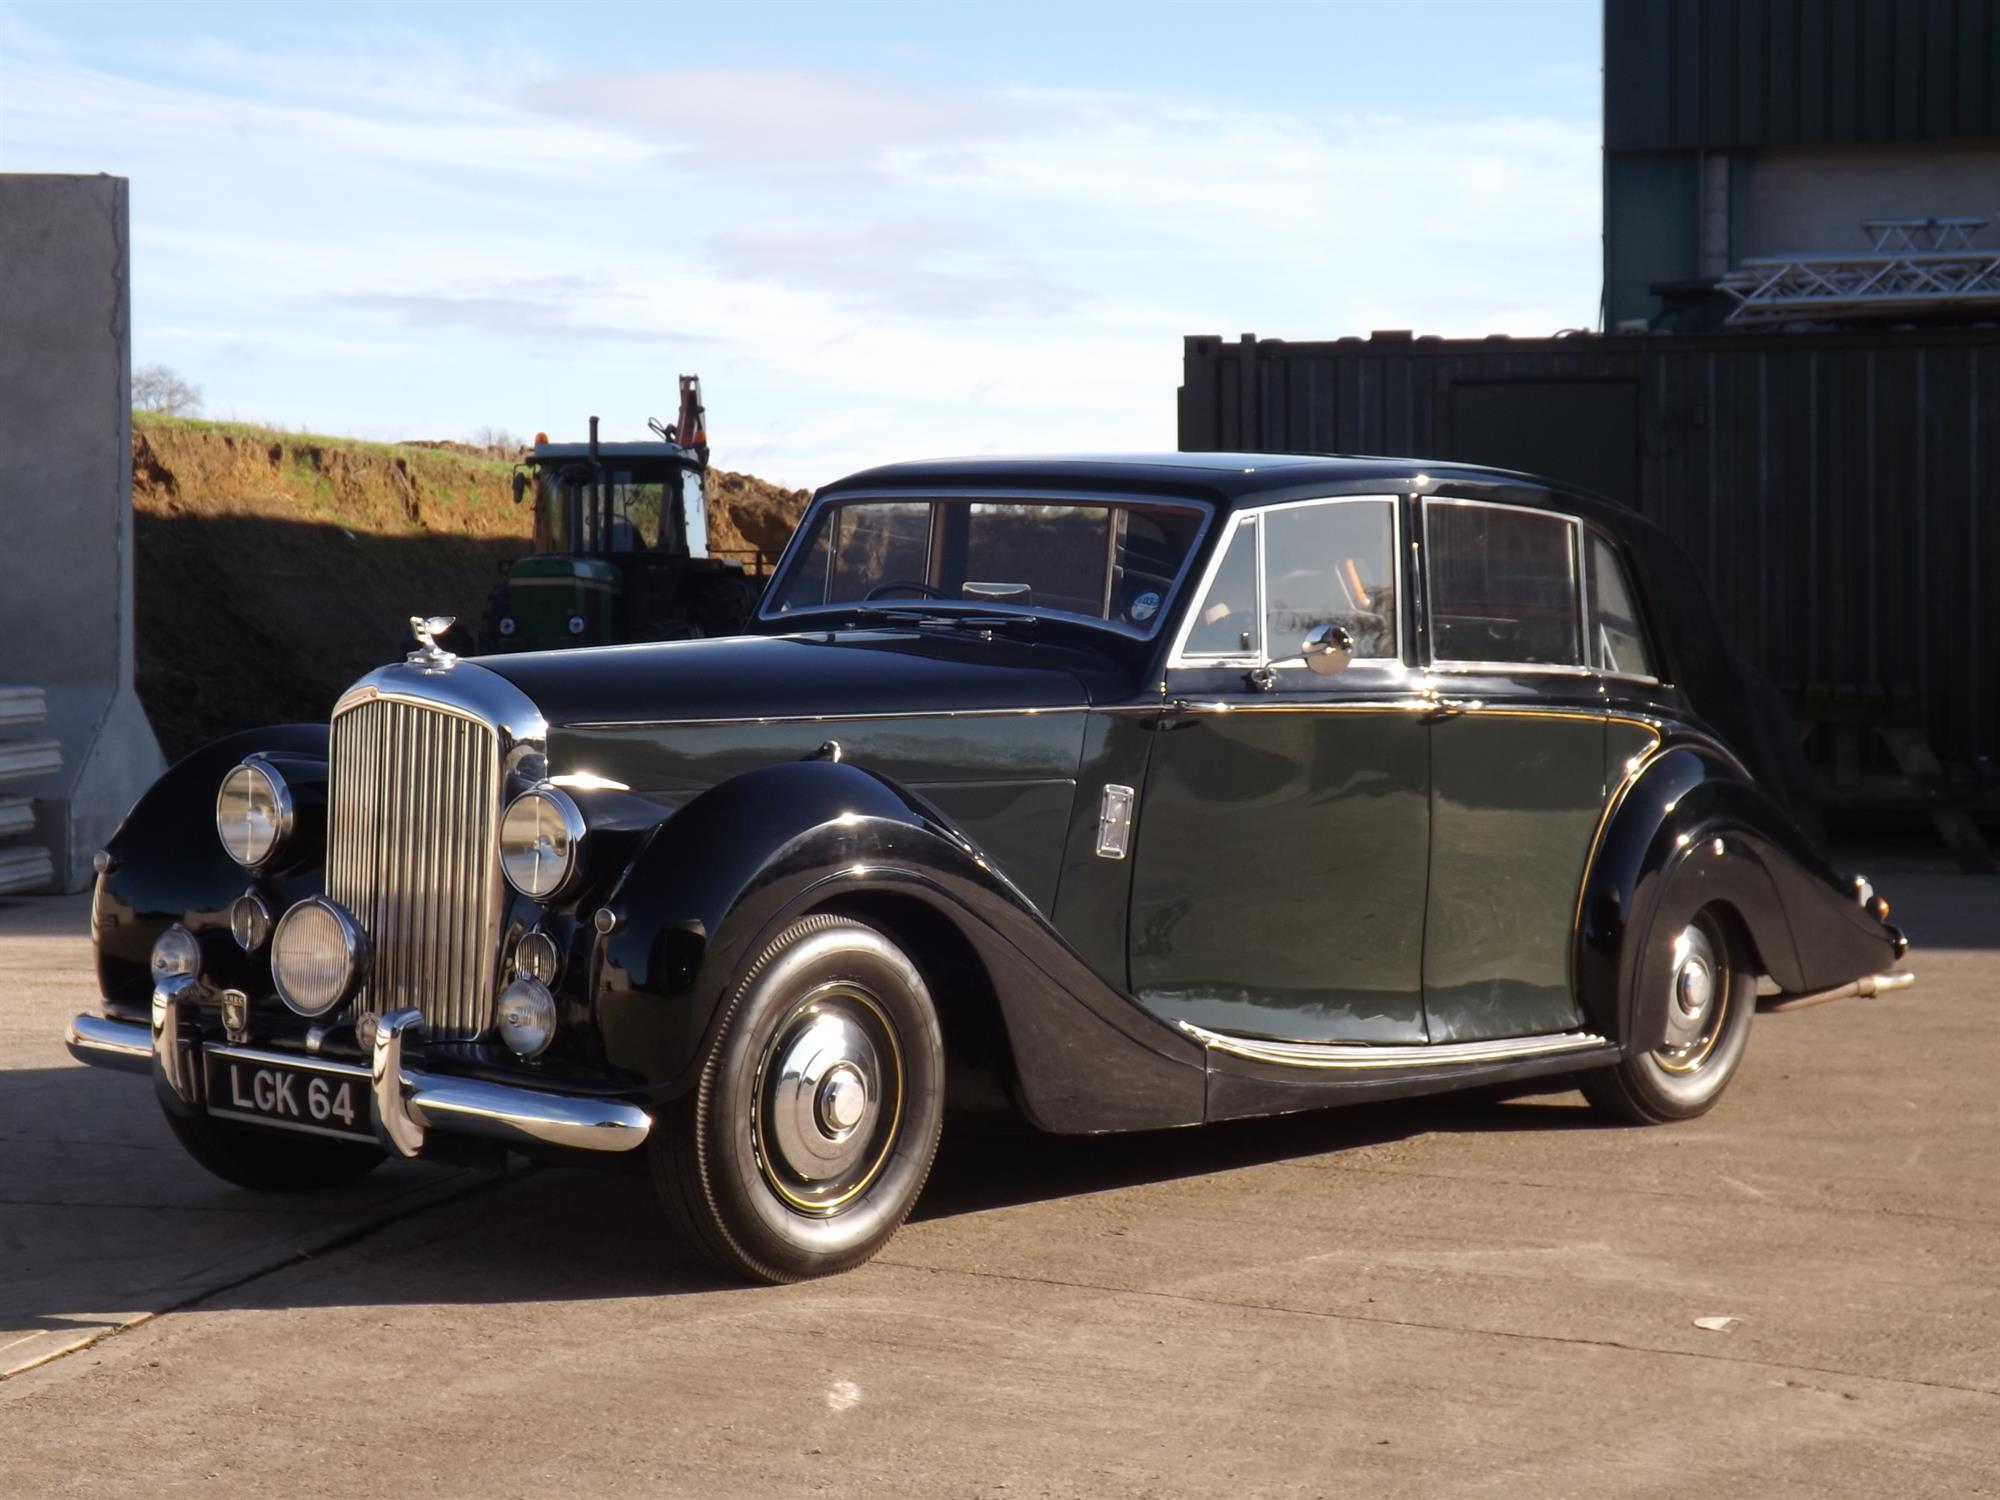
(413, 811)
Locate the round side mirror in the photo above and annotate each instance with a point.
(1328, 649)
(520, 486)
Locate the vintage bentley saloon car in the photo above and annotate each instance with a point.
(1153, 791)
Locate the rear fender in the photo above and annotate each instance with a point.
(1689, 831)
(725, 874)
(1655, 856)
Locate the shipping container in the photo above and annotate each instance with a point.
(1838, 490)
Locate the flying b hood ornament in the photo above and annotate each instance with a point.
(429, 655)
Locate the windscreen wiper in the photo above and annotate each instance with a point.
(984, 620)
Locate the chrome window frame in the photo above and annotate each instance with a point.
(1179, 656)
(1452, 664)
(1625, 572)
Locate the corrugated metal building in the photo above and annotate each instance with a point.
(1838, 489)
(1746, 128)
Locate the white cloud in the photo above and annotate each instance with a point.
(410, 239)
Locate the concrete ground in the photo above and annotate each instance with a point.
(1439, 1297)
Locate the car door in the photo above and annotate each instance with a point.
(1517, 761)
(1282, 832)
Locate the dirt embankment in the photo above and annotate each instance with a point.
(745, 512)
(273, 569)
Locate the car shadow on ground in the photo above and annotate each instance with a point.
(563, 1233)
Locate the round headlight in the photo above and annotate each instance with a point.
(316, 956)
(539, 839)
(253, 813)
(175, 951)
(527, 1017)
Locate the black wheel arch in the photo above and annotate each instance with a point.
(1690, 830)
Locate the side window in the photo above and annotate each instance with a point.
(1225, 621)
(1617, 644)
(1331, 564)
(1502, 585)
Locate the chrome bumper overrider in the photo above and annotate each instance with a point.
(406, 1103)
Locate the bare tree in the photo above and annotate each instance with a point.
(498, 442)
(157, 388)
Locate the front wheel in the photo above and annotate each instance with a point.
(267, 1161)
(813, 1128)
(1710, 1001)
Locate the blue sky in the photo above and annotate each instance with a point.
(880, 231)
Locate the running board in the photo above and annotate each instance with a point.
(1348, 1056)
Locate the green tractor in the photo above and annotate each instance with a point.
(621, 545)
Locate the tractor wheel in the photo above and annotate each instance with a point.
(490, 640)
(720, 604)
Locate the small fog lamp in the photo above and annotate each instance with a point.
(527, 1017)
(249, 921)
(535, 957)
(175, 951)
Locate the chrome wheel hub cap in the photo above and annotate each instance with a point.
(1694, 1013)
(828, 1100)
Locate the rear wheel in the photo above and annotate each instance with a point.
(817, 1116)
(1711, 999)
(267, 1161)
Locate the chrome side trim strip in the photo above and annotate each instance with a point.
(1364, 1056)
(949, 713)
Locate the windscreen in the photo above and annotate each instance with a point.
(1112, 562)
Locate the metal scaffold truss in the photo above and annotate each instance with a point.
(1916, 265)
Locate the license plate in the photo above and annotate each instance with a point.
(315, 1099)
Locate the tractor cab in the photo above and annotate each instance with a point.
(621, 545)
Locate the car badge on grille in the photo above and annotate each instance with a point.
(429, 655)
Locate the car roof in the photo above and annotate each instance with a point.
(1239, 480)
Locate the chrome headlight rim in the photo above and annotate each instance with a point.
(284, 811)
(354, 943)
(574, 829)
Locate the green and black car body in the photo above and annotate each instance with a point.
(1153, 791)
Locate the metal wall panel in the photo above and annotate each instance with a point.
(1736, 74)
(1840, 491)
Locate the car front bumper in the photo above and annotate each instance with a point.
(405, 1103)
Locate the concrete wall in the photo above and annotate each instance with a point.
(66, 501)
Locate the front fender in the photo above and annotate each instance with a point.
(724, 874)
(166, 865)
(1690, 830)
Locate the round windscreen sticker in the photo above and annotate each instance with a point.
(1145, 607)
